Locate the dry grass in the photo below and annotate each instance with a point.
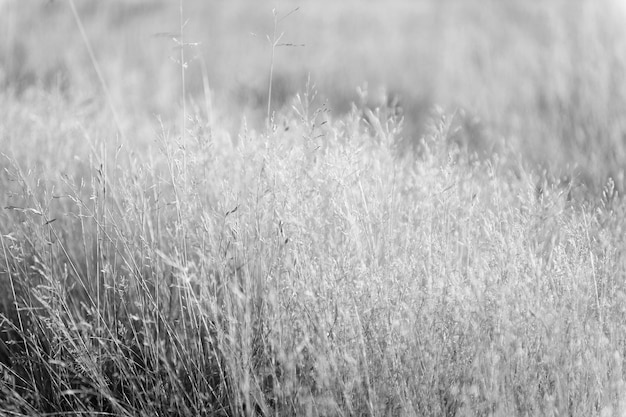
(323, 275)
(321, 267)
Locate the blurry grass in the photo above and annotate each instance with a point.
(320, 268)
(546, 78)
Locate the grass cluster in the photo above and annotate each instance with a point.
(326, 265)
(312, 270)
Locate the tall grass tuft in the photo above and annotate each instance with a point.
(324, 275)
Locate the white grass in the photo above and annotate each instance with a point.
(327, 266)
(324, 275)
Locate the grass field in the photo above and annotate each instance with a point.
(430, 223)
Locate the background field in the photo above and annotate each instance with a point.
(431, 224)
(547, 78)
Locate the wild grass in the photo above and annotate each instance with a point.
(319, 267)
(324, 275)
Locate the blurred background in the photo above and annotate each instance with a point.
(546, 79)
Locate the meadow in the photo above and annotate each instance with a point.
(430, 222)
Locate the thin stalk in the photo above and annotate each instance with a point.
(96, 67)
(183, 125)
(274, 43)
(269, 87)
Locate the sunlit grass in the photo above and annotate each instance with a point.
(324, 275)
(327, 263)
